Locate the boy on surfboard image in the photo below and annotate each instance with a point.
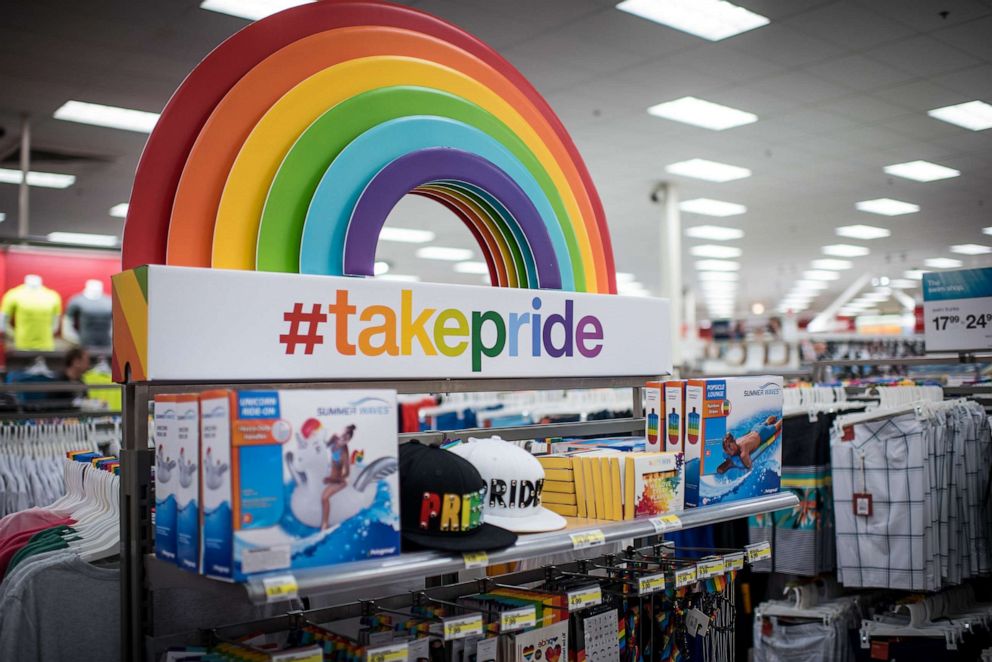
(748, 443)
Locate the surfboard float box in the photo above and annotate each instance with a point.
(733, 441)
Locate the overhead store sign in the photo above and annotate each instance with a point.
(189, 324)
(958, 310)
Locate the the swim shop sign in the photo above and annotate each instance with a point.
(190, 324)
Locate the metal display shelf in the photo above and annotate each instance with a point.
(377, 572)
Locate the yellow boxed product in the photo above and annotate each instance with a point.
(557, 498)
(564, 511)
(560, 486)
(555, 462)
(558, 474)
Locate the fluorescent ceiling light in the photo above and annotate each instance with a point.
(42, 179)
(444, 253)
(109, 116)
(381, 268)
(119, 210)
(717, 276)
(921, 171)
(709, 207)
(713, 250)
(807, 285)
(406, 235)
(828, 263)
(845, 250)
(942, 262)
(402, 278)
(987, 230)
(714, 232)
(903, 283)
(710, 19)
(83, 238)
(862, 232)
(3, 217)
(887, 207)
(717, 265)
(711, 171)
(821, 275)
(253, 10)
(971, 249)
(974, 115)
(700, 112)
(472, 268)
(915, 274)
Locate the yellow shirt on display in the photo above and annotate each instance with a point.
(33, 312)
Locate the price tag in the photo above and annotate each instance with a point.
(486, 650)
(759, 551)
(418, 649)
(589, 596)
(475, 560)
(957, 306)
(308, 654)
(734, 561)
(279, 587)
(666, 523)
(391, 653)
(459, 627)
(585, 539)
(710, 568)
(517, 619)
(685, 576)
(651, 583)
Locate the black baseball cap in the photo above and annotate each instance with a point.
(441, 497)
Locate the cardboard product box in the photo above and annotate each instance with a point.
(297, 479)
(654, 484)
(166, 476)
(653, 399)
(733, 439)
(187, 432)
(674, 438)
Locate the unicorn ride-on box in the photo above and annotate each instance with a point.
(736, 440)
(296, 479)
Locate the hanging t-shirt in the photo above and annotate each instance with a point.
(92, 319)
(112, 396)
(33, 312)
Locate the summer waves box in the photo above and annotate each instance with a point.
(733, 440)
(297, 479)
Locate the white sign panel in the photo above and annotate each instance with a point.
(226, 325)
(958, 310)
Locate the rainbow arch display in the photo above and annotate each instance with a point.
(287, 147)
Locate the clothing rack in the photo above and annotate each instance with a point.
(141, 573)
(963, 358)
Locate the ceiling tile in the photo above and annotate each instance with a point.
(859, 73)
(922, 56)
(784, 45)
(851, 25)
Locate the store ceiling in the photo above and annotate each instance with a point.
(841, 89)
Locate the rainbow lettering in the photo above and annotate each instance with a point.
(382, 331)
(286, 148)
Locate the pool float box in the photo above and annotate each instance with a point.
(166, 476)
(187, 433)
(733, 439)
(297, 479)
(674, 392)
(654, 405)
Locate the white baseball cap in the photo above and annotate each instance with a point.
(514, 481)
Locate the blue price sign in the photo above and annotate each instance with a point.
(958, 310)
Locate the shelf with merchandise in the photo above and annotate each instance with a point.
(580, 533)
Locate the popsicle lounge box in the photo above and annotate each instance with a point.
(654, 408)
(674, 392)
(733, 444)
(297, 479)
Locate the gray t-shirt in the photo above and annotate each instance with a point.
(67, 610)
(92, 319)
